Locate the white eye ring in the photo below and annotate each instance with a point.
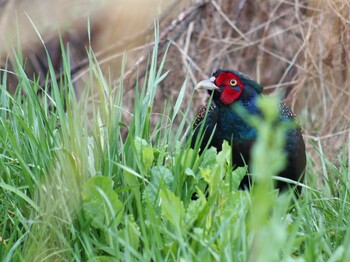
(233, 82)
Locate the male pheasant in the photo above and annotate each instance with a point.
(231, 89)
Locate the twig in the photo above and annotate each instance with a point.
(218, 8)
(187, 15)
(317, 138)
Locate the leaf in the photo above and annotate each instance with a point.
(270, 107)
(206, 174)
(186, 159)
(179, 99)
(159, 175)
(101, 204)
(193, 210)
(93, 210)
(144, 150)
(189, 172)
(130, 174)
(147, 156)
(140, 144)
(131, 232)
(172, 208)
(236, 177)
(209, 158)
(90, 191)
(223, 157)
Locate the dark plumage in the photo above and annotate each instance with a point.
(233, 89)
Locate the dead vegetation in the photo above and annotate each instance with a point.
(297, 47)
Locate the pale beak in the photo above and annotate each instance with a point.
(207, 84)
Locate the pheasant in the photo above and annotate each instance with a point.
(231, 89)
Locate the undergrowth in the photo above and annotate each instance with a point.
(73, 187)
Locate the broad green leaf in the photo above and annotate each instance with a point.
(223, 157)
(206, 174)
(209, 158)
(189, 172)
(172, 208)
(140, 144)
(193, 210)
(101, 204)
(131, 232)
(147, 156)
(160, 175)
(145, 151)
(94, 211)
(90, 191)
(235, 178)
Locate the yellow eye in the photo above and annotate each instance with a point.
(233, 82)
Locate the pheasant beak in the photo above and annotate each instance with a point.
(207, 84)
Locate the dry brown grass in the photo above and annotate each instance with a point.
(299, 47)
(323, 92)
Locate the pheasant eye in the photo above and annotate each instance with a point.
(233, 82)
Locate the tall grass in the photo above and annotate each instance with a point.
(74, 188)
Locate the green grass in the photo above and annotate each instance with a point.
(73, 188)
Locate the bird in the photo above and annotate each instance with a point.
(231, 89)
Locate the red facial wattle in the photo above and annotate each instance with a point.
(229, 92)
(229, 95)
